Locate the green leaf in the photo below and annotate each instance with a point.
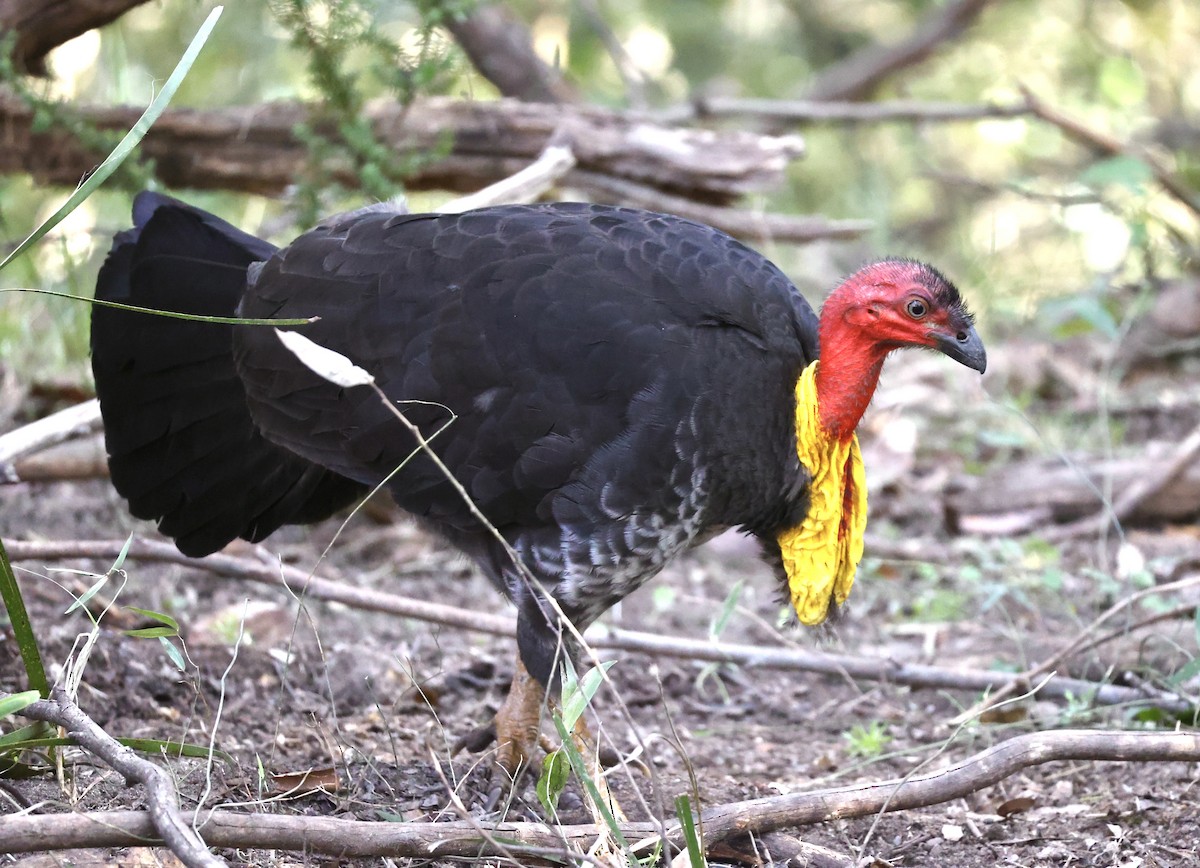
(120, 561)
(127, 145)
(722, 619)
(556, 771)
(1121, 81)
(84, 598)
(580, 769)
(1121, 171)
(14, 702)
(18, 617)
(172, 652)
(687, 822)
(1186, 672)
(159, 617)
(578, 693)
(150, 632)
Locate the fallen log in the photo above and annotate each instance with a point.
(1031, 495)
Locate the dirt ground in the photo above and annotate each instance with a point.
(380, 699)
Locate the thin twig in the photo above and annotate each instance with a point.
(873, 669)
(1112, 147)
(807, 111)
(164, 814)
(527, 185)
(631, 74)
(1074, 646)
(346, 838)
(857, 76)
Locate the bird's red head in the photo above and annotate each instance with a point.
(883, 307)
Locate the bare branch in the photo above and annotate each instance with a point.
(633, 78)
(501, 48)
(345, 838)
(164, 814)
(1077, 644)
(267, 570)
(527, 185)
(253, 148)
(971, 775)
(42, 25)
(1111, 146)
(815, 112)
(857, 76)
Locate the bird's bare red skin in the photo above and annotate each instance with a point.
(862, 321)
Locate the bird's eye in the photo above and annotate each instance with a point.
(916, 308)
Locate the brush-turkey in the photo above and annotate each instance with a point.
(624, 385)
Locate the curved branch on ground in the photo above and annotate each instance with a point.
(346, 838)
(265, 569)
(165, 817)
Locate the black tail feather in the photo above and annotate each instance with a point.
(182, 447)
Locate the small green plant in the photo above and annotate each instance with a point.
(348, 56)
(867, 742)
(576, 696)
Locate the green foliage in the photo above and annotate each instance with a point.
(346, 53)
(50, 113)
(867, 742)
(577, 694)
(18, 618)
(691, 837)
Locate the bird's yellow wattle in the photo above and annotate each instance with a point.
(821, 555)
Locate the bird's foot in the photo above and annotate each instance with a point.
(518, 725)
(515, 730)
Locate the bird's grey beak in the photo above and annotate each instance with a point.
(965, 347)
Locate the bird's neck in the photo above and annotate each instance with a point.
(846, 377)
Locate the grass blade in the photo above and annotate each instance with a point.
(126, 146)
(31, 656)
(683, 810)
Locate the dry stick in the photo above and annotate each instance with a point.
(526, 185)
(500, 47)
(857, 76)
(812, 111)
(164, 813)
(81, 419)
(1142, 489)
(1112, 146)
(346, 838)
(1080, 641)
(269, 572)
(41, 25)
(631, 74)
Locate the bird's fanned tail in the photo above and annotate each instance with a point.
(182, 447)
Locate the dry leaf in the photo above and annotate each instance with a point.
(1016, 806)
(305, 783)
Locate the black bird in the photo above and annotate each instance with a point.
(625, 384)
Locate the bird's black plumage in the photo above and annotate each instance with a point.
(621, 381)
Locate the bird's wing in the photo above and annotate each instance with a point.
(582, 349)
